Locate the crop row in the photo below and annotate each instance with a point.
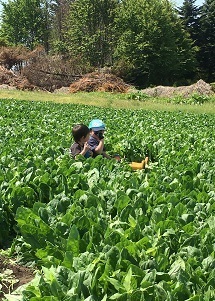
(95, 229)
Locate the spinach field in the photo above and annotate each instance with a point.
(96, 230)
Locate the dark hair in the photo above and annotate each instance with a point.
(79, 131)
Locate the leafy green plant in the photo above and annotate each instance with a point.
(194, 99)
(140, 96)
(97, 230)
(199, 99)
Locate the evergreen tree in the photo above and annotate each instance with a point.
(206, 55)
(189, 14)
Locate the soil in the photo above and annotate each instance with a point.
(12, 276)
(200, 87)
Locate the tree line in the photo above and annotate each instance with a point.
(146, 42)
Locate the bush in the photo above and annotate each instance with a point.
(195, 98)
(138, 96)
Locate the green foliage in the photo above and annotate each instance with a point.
(138, 96)
(91, 31)
(98, 230)
(151, 38)
(145, 42)
(190, 16)
(25, 22)
(207, 41)
(194, 99)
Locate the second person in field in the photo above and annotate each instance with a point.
(96, 140)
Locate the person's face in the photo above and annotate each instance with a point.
(85, 139)
(98, 132)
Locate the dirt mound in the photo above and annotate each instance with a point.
(63, 90)
(200, 87)
(10, 79)
(12, 276)
(97, 81)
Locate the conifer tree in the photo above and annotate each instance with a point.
(206, 55)
(190, 14)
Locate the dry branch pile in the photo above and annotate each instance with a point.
(200, 87)
(24, 69)
(53, 72)
(9, 79)
(96, 81)
(6, 76)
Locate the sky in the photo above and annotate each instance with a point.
(180, 2)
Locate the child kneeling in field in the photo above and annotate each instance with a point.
(96, 141)
(81, 135)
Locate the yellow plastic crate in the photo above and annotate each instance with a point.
(141, 165)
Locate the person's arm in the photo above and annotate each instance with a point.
(75, 150)
(85, 149)
(99, 148)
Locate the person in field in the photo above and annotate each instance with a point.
(96, 140)
(81, 135)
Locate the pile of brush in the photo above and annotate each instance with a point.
(97, 81)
